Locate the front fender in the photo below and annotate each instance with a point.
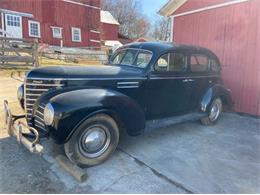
(216, 91)
(74, 106)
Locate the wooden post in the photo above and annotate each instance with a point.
(35, 53)
(3, 51)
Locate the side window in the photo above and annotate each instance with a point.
(172, 62)
(199, 63)
(214, 65)
(143, 59)
(163, 63)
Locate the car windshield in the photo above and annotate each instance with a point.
(132, 57)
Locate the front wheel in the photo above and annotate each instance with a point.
(93, 141)
(214, 113)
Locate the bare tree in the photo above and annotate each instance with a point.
(161, 30)
(128, 13)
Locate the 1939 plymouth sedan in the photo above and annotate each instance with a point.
(86, 108)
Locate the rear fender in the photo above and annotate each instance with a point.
(213, 92)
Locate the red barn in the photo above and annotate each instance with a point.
(110, 29)
(230, 28)
(71, 23)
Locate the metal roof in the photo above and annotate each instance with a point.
(106, 17)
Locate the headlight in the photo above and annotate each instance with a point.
(48, 114)
(20, 92)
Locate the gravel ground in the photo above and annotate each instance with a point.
(184, 158)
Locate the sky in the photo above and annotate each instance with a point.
(151, 7)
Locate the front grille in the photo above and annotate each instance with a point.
(34, 88)
(38, 117)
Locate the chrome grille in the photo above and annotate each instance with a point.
(38, 120)
(34, 88)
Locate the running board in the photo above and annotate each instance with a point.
(166, 122)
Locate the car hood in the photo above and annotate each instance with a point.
(70, 72)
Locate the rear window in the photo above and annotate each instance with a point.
(199, 63)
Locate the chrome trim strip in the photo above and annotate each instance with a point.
(126, 83)
(29, 104)
(39, 122)
(39, 126)
(44, 84)
(127, 87)
(28, 89)
(28, 99)
(33, 95)
(40, 106)
(39, 118)
(38, 112)
(76, 79)
(194, 77)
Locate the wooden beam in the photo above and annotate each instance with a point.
(75, 171)
(18, 59)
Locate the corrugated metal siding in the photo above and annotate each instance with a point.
(233, 34)
(61, 14)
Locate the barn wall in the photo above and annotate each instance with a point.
(109, 31)
(233, 33)
(61, 14)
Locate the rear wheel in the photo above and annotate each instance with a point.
(214, 113)
(93, 141)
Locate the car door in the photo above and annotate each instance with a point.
(168, 89)
(199, 71)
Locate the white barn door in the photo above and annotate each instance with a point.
(13, 26)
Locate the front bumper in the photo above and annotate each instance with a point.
(28, 136)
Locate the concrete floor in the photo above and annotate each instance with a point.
(183, 158)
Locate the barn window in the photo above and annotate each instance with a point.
(13, 20)
(56, 32)
(76, 34)
(34, 29)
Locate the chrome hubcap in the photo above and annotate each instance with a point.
(94, 141)
(215, 111)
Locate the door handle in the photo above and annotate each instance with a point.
(188, 80)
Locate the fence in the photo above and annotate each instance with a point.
(83, 56)
(18, 52)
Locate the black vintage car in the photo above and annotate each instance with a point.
(86, 108)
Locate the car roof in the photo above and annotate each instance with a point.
(163, 47)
